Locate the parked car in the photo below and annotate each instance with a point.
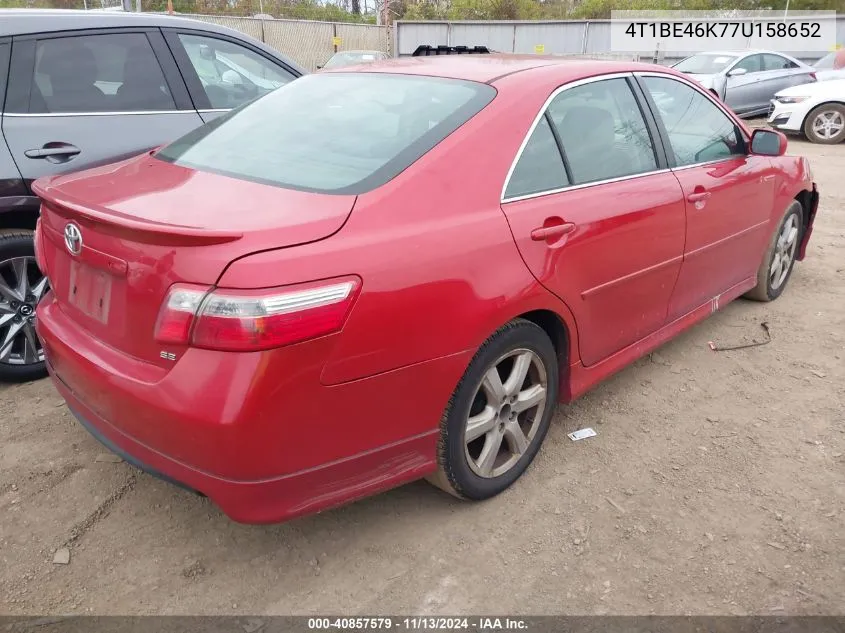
(815, 110)
(831, 66)
(88, 88)
(326, 293)
(351, 58)
(746, 80)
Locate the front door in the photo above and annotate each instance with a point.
(729, 194)
(744, 92)
(596, 219)
(89, 98)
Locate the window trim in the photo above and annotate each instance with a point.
(5, 61)
(22, 70)
(189, 73)
(664, 135)
(656, 139)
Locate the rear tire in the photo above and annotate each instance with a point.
(825, 124)
(779, 260)
(506, 400)
(21, 355)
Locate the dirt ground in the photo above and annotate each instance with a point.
(714, 486)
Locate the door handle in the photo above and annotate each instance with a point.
(698, 196)
(549, 232)
(59, 152)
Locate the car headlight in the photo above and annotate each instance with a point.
(791, 99)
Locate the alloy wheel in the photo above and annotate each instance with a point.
(506, 413)
(21, 288)
(784, 252)
(828, 124)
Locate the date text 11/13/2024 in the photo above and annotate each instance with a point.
(418, 624)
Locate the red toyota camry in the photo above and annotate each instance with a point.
(387, 273)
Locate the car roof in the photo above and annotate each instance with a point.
(31, 21)
(486, 68)
(743, 52)
(26, 21)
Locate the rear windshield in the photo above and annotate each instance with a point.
(343, 133)
(705, 64)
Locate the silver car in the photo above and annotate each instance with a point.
(746, 80)
(352, 58)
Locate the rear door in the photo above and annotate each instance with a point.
(86, 98)
(729, 193)
(223, 73)
(781, 72)
(597, 217)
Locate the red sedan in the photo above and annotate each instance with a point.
(381, 274)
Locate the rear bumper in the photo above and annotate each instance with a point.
(272, 500)
(264, 440)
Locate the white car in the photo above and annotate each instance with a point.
(816, 110)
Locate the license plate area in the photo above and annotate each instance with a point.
(89, 291)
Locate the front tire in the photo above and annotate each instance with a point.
(826, 124)
(779, 260)
(499, 413)
(21, 288)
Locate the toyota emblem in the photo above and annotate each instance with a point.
(73, 239)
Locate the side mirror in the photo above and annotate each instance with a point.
(768, 143)
(737, 72)
(319, 66)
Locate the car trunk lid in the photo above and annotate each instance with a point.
(145, 224)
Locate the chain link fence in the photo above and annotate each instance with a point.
(307, 42)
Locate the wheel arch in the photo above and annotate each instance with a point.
(555, 318)
(838, 102)
(553, 325)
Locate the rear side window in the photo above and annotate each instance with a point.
(332, 133)
(540, 167)
(603, 132)
(98, 73)
(776, 62)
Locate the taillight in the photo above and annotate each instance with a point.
(178, 312)
(39, 248)
(250, 320)
(813, 76)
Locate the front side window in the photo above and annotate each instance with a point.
(751, 64)
(540, 167)
(98, 73)
(603, 131)
(230, 74)
(333, 132)
(698, 130)
(705, 64)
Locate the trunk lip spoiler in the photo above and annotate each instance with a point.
(103, 215)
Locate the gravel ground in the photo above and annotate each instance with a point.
(714, 486)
